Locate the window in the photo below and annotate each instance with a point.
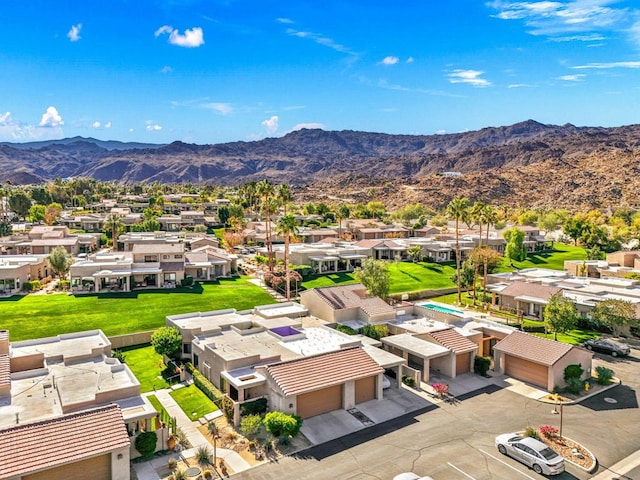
(165, 257)
(170, 277)
(178, 257)
(186, 348)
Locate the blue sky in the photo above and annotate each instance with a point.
(208, 71)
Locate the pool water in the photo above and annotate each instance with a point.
(439, 308)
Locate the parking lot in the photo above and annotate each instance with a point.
(456, 441)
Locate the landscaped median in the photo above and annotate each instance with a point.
(572, 451)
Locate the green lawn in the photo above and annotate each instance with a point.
(147, 366)
(36, 316)
(153, 400)
(193, 402)
(572, 337)
(554, 259)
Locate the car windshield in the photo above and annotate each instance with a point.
(548, 454)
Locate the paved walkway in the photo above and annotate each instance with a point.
(147, 470)
(279, 297)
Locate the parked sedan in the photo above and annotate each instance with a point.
(531, 452)
(606, 345)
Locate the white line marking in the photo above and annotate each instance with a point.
(505, 463)
(456, 468)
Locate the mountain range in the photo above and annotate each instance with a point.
(525, 164)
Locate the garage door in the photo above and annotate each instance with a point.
(526, 371)
(99, 468)
(320, 401)
(365, 389)
(463, 362)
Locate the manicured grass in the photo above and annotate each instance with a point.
(554, 259)
(193, 402)
(572, 337)
(331, 280)
(147, 366)
(36, 316)
(153, 400)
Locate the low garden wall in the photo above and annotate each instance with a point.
(420, 294)
(130, 339)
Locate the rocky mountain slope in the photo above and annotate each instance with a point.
(527, 164)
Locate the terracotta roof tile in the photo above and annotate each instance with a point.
(537, 349)
(29, 448)
(353, 296)
(314, 373)
(452, 340)
(529, 289)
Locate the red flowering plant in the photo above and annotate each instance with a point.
(440, 388)
(548, 431)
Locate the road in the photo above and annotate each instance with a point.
(456, 441)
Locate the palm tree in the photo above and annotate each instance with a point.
(266, 191)
(113, 223)
(287, 227)
(476, 214)
(213, 430)
(458, 209)
(284, 195)
(490, 217)
(342, 213)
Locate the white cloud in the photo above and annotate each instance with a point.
(293, 107)
(192, 37)
(555, 19)
(51, 118)
(107, 125)
(440, 132)
(519, 85)
(5, 118)
(572, 78)
(131, 130)
(608, 65)
(287, 21)
(74, 33)
(152, 127)
(410, 60)
(12, 130)
(389, 60)
(322, 40)
(270, 124)
(222, 108)
(96, 124)
(471, 77)
(166, 69)
(311, 125)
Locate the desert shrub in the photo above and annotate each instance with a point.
(250, 425)
(118, 355)
(604, 375)
(531, 432)
(573, 371)
(409, 381)
(279, 424)
(254, 407)
(32, 286)
(231, 436)
(574, 385)
(146, 443)
(375, 331)
(481, 365)
(346, 329)
(548, 431)
(64, 284)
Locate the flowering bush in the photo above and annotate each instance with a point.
(440, 388)
(548, 431)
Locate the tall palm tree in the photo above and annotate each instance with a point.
(287, 227)
(458, 209)
(342, 213)
(266, 191)
(114, 224)
(475, 213)
(284, 196)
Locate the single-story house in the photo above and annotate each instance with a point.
(322, 383)
(91, 443)
(528, 298)
(538, 360)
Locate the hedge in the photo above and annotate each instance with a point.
(254, 407)
(208, 388)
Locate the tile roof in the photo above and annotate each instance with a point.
(29, 448)
(529, 289)
(314, 373)
(353, 296)
(536, 349)
(452, 340)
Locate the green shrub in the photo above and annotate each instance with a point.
(186, 281)
(32, 286)
(254, 407)
(573, 371)
(64, 284)
(250, 425)
(409, 381)
(280, 424)
(604, 375)
(574, 385)
(375, 331)
(146, 443)
(346, 329)
(531, 432)
(208, 388)
(481, 365)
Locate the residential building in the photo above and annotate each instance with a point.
(16, 270)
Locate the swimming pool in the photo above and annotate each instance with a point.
(440, 308)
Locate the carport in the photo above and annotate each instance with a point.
(417, 352)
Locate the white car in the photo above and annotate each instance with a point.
(531, 452)
(410, 476)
